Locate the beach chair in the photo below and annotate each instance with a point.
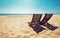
(45, 23)
(36, 24)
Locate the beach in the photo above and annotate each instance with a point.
(17, 27)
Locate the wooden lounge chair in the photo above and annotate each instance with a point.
(45, 23)
(36, 24)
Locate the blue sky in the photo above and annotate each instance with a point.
(49, 4)
(43, 5)
(8, 3)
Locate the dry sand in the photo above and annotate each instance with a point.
(17, 27)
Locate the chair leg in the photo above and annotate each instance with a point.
(38, 28)
(49, 26)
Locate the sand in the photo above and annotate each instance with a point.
(17, 27)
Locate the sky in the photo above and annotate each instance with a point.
(29, 6)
